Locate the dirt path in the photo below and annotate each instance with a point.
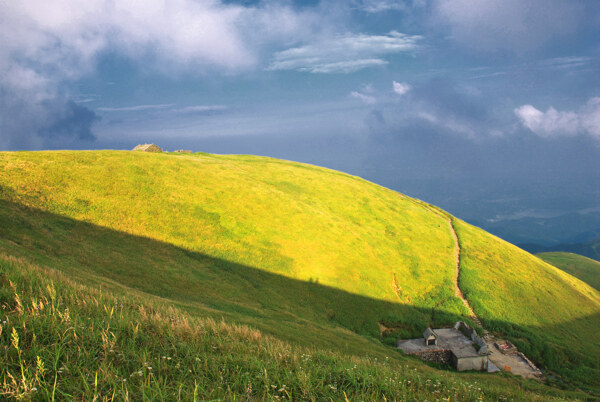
(457, 290)
(519, 363)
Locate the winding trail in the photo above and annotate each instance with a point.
(518, 364)
(457, 290)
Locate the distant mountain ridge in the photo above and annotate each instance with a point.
(590, 249)
(571, 228)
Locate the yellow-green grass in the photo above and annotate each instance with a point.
(308, 255)
(260, 214)
(581, 267)
(61, 340)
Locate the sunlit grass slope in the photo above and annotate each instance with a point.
(581, 267)
(294, 220)
(305, 254)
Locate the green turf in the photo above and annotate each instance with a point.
(581, 267)
(312, 257)
(65, 341)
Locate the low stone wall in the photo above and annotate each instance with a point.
(477, 363)
(442, 356)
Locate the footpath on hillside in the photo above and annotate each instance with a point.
(517, 363)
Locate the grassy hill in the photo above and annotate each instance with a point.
(581, 267)
(305, 258)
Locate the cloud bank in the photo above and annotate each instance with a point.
(45, 46)
(554, 123)
(344, 54)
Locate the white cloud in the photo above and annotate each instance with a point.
(68, 36)
(344, 54)
(378, 6)
(44, 46)
(202, 109)
(401, 88)
(567, 63)
(590, 117)
(368, 99)
(344, 67)
(136, 108)
(553, 123)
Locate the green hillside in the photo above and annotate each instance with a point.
(581, 267)
(303, 255)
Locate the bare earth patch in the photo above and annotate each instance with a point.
(515, 363)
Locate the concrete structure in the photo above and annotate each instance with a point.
(459, 346)
(147, 148)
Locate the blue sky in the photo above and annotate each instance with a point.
(488, 97)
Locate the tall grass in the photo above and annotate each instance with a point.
(63, 340)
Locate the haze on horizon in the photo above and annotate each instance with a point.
(490, 110)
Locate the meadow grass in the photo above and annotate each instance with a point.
(63, 340)
(305, 255)
(581, 267)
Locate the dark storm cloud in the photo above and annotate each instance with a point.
(443, 97)
(72, 121)
(51, 123)
(432, 111)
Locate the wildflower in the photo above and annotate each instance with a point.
(33, 389)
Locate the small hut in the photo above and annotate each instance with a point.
(430, 337)
(147, 148)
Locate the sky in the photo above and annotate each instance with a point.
(489, 109)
